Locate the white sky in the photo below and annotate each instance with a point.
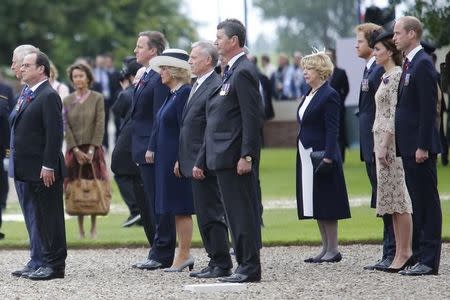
(207, 14)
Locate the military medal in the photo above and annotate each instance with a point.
(407, 77)
(365, 85)
(225, 89)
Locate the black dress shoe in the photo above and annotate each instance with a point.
(381, 264)
(241, 278)
(215, 272)
(312, 260)
(204, 270)
(334, 259)
(46, 273)
(26, 269)
(418, 270)
(151, 265)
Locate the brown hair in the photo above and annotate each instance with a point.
(367, 29)
(155, 40)
(396, 54)
(411, 23)
(84, 68)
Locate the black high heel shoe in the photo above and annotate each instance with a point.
(408, 263)
(334, 259)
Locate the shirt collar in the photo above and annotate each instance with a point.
(34, 87)
(234, 59)
(370, 62)
(202, 79)
(413, 53)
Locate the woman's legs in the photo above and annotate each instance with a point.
(93, 226)
(184, 228)
(403, 239)
(331, 229)
(323, 235)
(80, 226)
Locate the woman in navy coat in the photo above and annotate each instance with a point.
(173, 195)
(321, 191)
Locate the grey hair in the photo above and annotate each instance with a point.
(209, 49)
(23, 50)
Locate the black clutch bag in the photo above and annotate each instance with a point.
(320, 167)
(316, 158)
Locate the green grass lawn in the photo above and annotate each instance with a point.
(281, 225)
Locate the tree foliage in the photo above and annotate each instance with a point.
(435, 15)
(66, 29)
(307, 23)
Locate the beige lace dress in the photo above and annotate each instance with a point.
(392, 194)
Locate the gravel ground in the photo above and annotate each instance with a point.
(106, 274)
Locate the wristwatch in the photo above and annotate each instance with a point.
(248, 158)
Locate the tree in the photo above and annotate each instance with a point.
(66, 29)
(435, 16)
(307, 23)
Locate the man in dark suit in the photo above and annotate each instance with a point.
(7, 103)
(207, 200)
(126, 172)
(39, 162)
(25, 201)
(366, 114)
(417, 140)
(148, 98)
(339, 81)
(232, 144)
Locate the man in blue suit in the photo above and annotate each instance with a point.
(23, 193)
(369, 85)
(417, 140)
(148, 97)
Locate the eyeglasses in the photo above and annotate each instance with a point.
(28, 65)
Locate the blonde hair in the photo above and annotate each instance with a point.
(53, 71)
(367, 29)
(410, 23)
(319, 62)
(180, 74)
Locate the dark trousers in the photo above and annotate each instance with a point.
(4, 186)
(163, 246)
(241, 207)
(421, 180)
(105, 135)
(131, 188)
(49, 212)
(388, 229)
(146, 204)
(257, 185)
(28, 209)
(211, 221)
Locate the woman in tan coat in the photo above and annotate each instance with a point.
(84, 128)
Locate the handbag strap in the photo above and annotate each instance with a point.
(93, 170)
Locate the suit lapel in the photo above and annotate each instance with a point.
(197, 94)
(138, 90)
(313, 103)
(407, 73)
(35, 95)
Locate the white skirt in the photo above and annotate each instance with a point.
(307, 179)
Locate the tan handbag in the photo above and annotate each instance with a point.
(88, 196)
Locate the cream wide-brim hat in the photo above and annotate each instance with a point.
(177, 58)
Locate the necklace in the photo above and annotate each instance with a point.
(315, 90)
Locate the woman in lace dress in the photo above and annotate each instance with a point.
(392, 194)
